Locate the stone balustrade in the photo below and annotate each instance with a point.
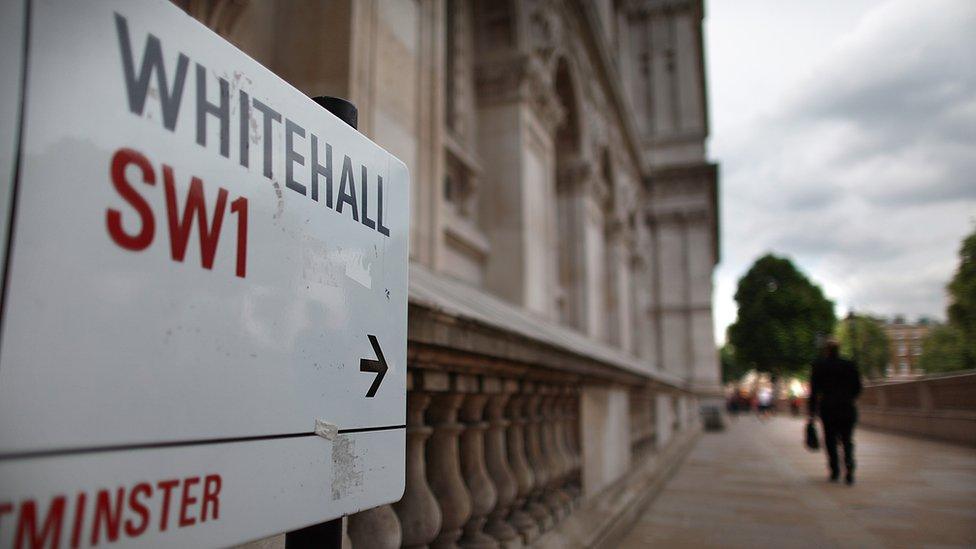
(935, 406)
(491, 462)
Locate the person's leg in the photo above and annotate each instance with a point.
(846, 433)
(830, 444)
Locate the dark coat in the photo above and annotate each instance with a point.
(834, 385)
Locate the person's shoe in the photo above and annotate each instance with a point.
(834, 476)
(849, 479)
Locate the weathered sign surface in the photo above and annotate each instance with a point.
(204, 298)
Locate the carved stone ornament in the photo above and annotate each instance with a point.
(520, 78)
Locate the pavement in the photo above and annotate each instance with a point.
(756, 485)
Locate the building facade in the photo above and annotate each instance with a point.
(904, 347)
(564, 234)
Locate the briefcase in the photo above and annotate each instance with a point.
(813, 441)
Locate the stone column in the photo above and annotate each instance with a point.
(506, 486)
(475, 474)
(376, 528)
(524, 479)
(537, 462)
(444, 460)
(420, 516)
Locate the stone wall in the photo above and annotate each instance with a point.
(941, 407)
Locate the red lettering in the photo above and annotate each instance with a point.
(79, 517)
(211, 493)
(239, 207)
(179, 230)
(106, 512)
(186, 501)
(113, 218)
(166, 486)
(9, 507)
(138, 508)
(27, 525)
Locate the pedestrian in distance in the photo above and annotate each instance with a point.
(835, 384)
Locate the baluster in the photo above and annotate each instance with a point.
(376, 528)
(443, 459)
(475, 474)
(506, 487)
(525, 481)
(418, 511)
(537, 462)
(573, 440)
(562, 448)
(553, 498)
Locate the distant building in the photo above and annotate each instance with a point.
(905, 346)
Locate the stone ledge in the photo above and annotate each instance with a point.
(445, 314)
(941, 427)
(602, 520)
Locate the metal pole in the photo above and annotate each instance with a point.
(325, 535)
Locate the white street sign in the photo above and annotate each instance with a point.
(204, 308)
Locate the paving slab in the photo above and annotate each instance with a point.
(756, 485)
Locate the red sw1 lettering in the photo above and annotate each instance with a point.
(180, 224)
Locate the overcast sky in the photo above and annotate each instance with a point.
(845, 131)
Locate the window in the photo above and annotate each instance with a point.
(459, 189)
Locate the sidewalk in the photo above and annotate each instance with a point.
(755, 485)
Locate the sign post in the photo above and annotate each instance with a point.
(204, 301)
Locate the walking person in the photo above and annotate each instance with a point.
(835, 383)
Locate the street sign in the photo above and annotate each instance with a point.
(204, 299)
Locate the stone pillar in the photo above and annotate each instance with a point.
(664, 418)
(605, 421)
(475, 474)
(376, 528)
(420, 516)
(444, 460)
(506, 486)
(537, 461)
(524, 479)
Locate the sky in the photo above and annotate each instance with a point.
(845, 133)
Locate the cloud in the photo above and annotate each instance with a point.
(863, 166)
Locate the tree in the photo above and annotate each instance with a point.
(942, 350)
(781, 315)
(732, 369)
(953, 346)
(863, 339)
(962, 299)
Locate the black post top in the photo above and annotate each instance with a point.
(340, 107)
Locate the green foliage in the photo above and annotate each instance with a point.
(943, 350)
(863, 339)
(962, 295)
(781, 314)
(732, 369)
(953, 347)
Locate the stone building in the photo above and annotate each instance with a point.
(904, 346)
(564, 233)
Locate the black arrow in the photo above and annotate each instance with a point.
(379, 366)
